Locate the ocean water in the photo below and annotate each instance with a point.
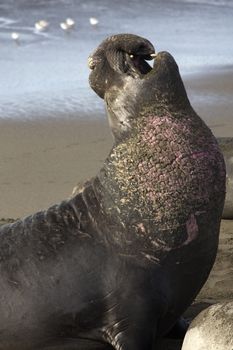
(45, 75)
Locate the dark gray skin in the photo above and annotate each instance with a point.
(117, 264)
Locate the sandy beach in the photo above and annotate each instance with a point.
(41, 161)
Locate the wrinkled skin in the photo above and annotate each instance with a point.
(116, 265)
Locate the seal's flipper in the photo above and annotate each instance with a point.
(134, 338)
(135, 329)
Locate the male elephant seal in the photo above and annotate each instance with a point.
(120, 261)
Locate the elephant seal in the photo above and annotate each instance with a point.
(211, 329)
(119, 262)
(226, 146)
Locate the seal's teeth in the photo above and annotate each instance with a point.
(153, 55)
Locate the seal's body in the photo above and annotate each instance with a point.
(120, 261)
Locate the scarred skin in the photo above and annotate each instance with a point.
(120, 261)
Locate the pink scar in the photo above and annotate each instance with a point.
(192, 229)
(199, 154)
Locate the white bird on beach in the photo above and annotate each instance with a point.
(70, 22)
(67, 25)
(15, 37)
(93, 21)
(64, 26)
(41, 25)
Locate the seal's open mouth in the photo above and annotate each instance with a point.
(139, 64)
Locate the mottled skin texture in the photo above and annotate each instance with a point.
(120, 261)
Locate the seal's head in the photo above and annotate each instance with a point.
(122, 54)
(122, 76)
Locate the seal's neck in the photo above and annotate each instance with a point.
(156, 158)
(128, 107)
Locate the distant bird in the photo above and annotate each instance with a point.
(41, 25)
(15, 37)
(64, 26)
(70, 23)
(93, 21)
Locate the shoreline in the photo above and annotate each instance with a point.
(210, 93)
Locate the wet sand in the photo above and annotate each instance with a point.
(41, 161)
(210, 93)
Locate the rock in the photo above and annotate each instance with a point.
(212, 329)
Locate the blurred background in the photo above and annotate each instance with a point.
(44, 73)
